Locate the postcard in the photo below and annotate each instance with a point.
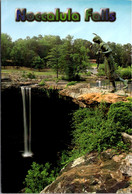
(66, 96)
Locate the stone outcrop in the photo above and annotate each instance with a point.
(80, 93)
(127, 139)
(83, 95)
(108, 172)
(95, 98)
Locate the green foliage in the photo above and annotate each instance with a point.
(38, 177)
(124, 73)
(38, 63)
(28, 75)
(71, 83)
(129, 99)
(49, 92)
(101, 70)
(130, 131)
(121, 54)
(121, 113)
(21, 55)
(89, 73)
(64, 159)
(93, 130)
(97, 130)
(74, 57)
(80, 56)
(54, 59)
(6, 46)
(31, 76)
(42, 83)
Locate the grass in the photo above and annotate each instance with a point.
(27, 70)
(71, 83)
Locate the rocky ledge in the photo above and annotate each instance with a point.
(108, 172)
(96, 98)
(80, 93)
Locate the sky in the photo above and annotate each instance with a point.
(118, 31)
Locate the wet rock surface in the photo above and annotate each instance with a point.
(108, 172)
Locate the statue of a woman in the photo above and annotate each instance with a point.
(109, 62)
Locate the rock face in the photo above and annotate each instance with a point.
(93, 173)
(127, 139)
(92, 99)
(83, 95)
(98, 97)
(80, 93)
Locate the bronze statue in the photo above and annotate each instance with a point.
(109, 62)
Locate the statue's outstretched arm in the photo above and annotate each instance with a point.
(109, 51)
(106, 49)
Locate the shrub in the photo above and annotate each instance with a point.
(98, 130)
(71, 83)
(129, 99)
(124, 73)
(38, 177)
(89, 73)
(42, 83)
(121, 112)
(31, 75)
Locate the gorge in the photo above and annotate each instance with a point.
(50, 132)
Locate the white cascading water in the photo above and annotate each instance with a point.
(26, 98)
(99, 83)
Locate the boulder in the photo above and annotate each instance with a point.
(94, 173)
(127, 139)
(126, 165)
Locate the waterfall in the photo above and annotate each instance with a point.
(26, 98)
(99, 83)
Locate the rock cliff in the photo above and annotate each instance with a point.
(108, 172)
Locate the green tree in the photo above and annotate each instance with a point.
(6, 46)
(67, 58)
(54, 59)
(127, 48)
(80, 56)
(75, 57)
(121, 53)
(18, 53)
(48, 42)
(21, 54)
(38, 63)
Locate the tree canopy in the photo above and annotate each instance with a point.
(67, 55)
